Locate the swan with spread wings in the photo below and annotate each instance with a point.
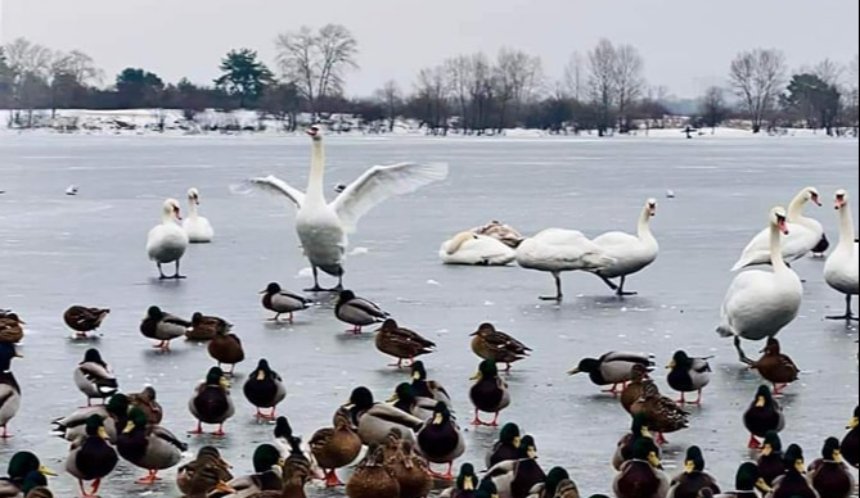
(323, 226)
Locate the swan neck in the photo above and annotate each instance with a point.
(166, 217)
(776, 250)
(315, 179)
(846, 227)
(795, 209)
(643, 229)
(192, 208)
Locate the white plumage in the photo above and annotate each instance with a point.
(197, 227)
(167, 241)
(843, 265)
(468, 248)
(630, 253)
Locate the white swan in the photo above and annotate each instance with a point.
(197, 227)
(841, 269)
(468, 248)
(760, 303)
(167, 241)
(630, 252)
(321, 226)
(557, 250)
(804, 235)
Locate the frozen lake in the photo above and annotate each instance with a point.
(57, 250)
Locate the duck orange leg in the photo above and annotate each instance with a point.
(754, 443)
(331, 479)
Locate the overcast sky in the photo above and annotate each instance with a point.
(687, 44)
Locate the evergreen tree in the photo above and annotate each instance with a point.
(244, 76)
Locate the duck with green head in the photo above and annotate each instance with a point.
(91, 458)
(19, 470)
(36, 486)
(151, 447)
(794, 484)
(558, 484)
(489, 393)
(114, 416)
(694, 478)
(375, 420)
(466, 484)
(688, 375)
(425, 388)
(516, 478)
(264, 389)
(770, 461)
(268, 465)
(507, 447)
(829, 474)
(10, 391)
(850, 446)
(642, 476)
(440, 440)
(211, 402)
(762, 416)
(638, 431)
(748, 483)
(405, 400)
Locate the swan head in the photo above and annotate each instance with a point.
(841, 199)
(810, 194)
(170, 209)
(315, 132)
(651, 206)
(458, 240)
(193, 196)
(778, 219)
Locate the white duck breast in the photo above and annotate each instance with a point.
(804, 234)
(10, 398)
(167, 241)
(630, 253)
(197, 227)
(467, 248)
(322, 226)
(843, 265)
(759, 303)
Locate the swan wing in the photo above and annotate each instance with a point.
(799, 241)
(612, 239)
(380, 183)
(275, 185)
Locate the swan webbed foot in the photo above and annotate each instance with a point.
(621, 293)
(551, 298)
(741, 355)
(846, 317)
(178, 277)
(315, 288)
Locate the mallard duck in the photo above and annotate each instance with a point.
(851, 442)
(357, 311)
(151, 447)
(114, 416)
(501, 232)
(558, 484)
(401, 343)
(371, 479)
(516, 478)
(411, 472)
(748, 484)
(268, 474)
(661, 412)
(83, 320)
(404, 399)
(440, 440)
(687, 375)
(430, 389)
(775, 367)
(375, 420)
(638, 431)
(335, 447)
(163, 327)
(264, 389)
(207, 472)
(642, 476)
(770, 461)
(794, 483)
(466, 484)
(226, 349)
(491, 344)
(489, 393)
(211, 402)
(20, 467)
(829, 475)
(507, 447)
(205, 327)
(281, 301)
(763, 415)
(11, 330)
(94, 377)
(91, 458)
(633, 390)
(694, 478)
(146, 401)
(10, 391)
(613, 368)
(36, 486)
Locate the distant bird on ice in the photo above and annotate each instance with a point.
(322, 227)
(72, 190)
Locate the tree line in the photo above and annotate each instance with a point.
(603, 89)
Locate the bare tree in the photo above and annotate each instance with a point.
(629, 82)
(757, 77)
(29, 64)
(392, 99)
(458, 71)
(852, 95)
(713, 107)
(829, 71)
(574, 77)
(601, 81)
(517, 76)
(317, 62)
(432, 96)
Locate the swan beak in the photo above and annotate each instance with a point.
(816, 200)
(783, 227)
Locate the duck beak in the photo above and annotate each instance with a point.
(760, 402)
(262, 292)
(103, 433)
(45, 471)
(654, 460)
(393, 399)
(517, 441)
(767, 450)
(261, 375)
(763, 486)
(128, 427)
(837, 456)
(799, 466)
(573, 372)
(689, 467)
(468, 485)
(477, 376)
(416, 376)
(853, 423)
(671, 365)
(223, 487)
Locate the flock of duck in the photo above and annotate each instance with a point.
(399, 448)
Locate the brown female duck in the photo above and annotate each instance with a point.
(491, 344)
(776, 367)
(401, 343)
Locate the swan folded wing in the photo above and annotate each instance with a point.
(799, 241)
(275, 185)
(380, 183)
